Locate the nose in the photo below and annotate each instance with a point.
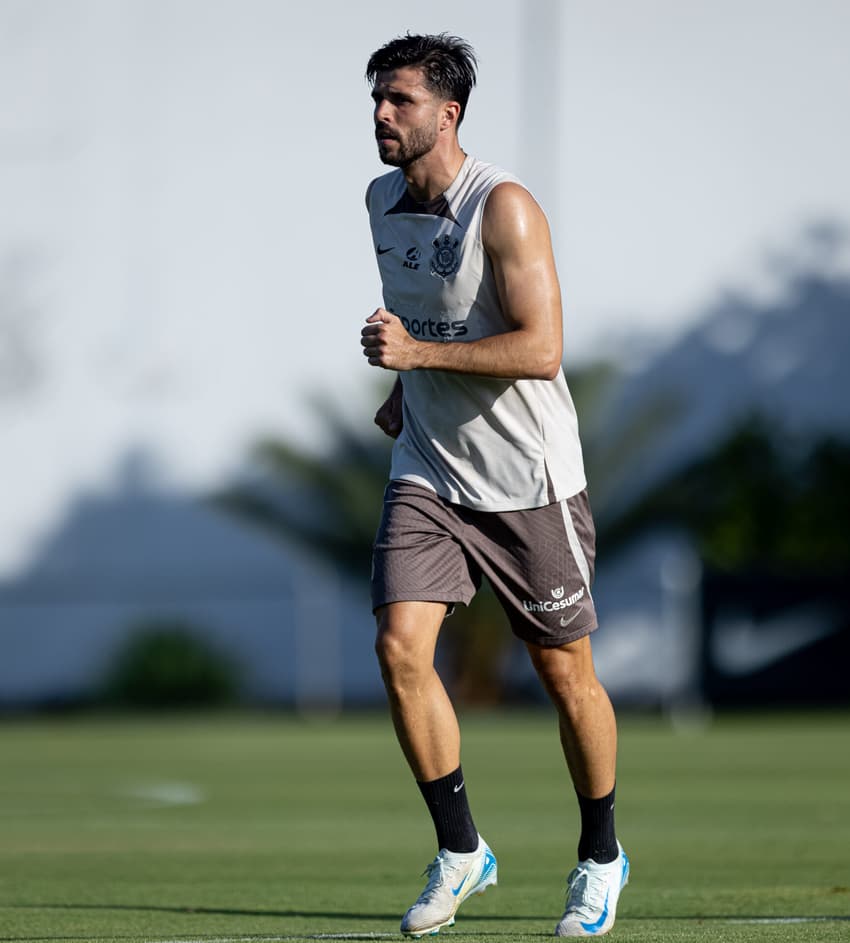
(382, 111)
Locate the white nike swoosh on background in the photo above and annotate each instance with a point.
(458, 788)
(740, 645)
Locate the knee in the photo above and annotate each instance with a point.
(389, 648)
(397, 655)
(566, 672)
(405, 644)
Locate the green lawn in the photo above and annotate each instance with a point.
(273, 828)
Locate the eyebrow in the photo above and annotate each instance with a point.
(390, 92)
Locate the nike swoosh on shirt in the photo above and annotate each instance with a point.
(381, 250)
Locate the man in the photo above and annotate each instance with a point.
(487, 475)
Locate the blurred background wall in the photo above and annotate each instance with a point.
(186, 440)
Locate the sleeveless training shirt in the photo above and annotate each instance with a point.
(486, 443)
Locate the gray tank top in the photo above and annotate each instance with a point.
(486, 443)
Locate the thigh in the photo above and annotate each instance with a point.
(417, 555)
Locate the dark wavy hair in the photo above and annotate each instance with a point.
(447, 62)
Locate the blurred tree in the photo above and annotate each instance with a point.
(753, 506)
(609, 459)
(167, 664)
(327, 501)
(816, 534)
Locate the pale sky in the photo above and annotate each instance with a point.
(184, 252)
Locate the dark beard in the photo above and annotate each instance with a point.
(419, 142)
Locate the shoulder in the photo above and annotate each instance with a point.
(511, 211)
(510, 194)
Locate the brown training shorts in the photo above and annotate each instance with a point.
(539, 561)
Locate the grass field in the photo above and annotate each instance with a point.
(273, 828)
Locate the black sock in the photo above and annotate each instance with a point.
(449, 808)
(598, 840)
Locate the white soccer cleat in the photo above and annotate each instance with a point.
(592, 894)
(452, 877)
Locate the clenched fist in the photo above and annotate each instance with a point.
(386, 343)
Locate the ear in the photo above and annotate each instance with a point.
(449, 115)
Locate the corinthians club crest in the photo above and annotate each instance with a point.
(446, 259)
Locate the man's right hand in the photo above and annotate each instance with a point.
(388, 418)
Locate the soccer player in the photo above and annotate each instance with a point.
(487, 474)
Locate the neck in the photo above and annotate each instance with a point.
(434, 173)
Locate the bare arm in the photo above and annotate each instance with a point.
(516, 238)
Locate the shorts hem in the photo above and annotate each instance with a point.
(556, 641)
(451, 600)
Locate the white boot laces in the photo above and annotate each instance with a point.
(434, 871)
(585, 891)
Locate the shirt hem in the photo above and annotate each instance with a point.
(515, 504)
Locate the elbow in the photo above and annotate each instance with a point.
(542, 372)
(538, 359)
(549, 365)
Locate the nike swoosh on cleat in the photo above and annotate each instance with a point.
(457, 890)
(597, 926)
(381, 251)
